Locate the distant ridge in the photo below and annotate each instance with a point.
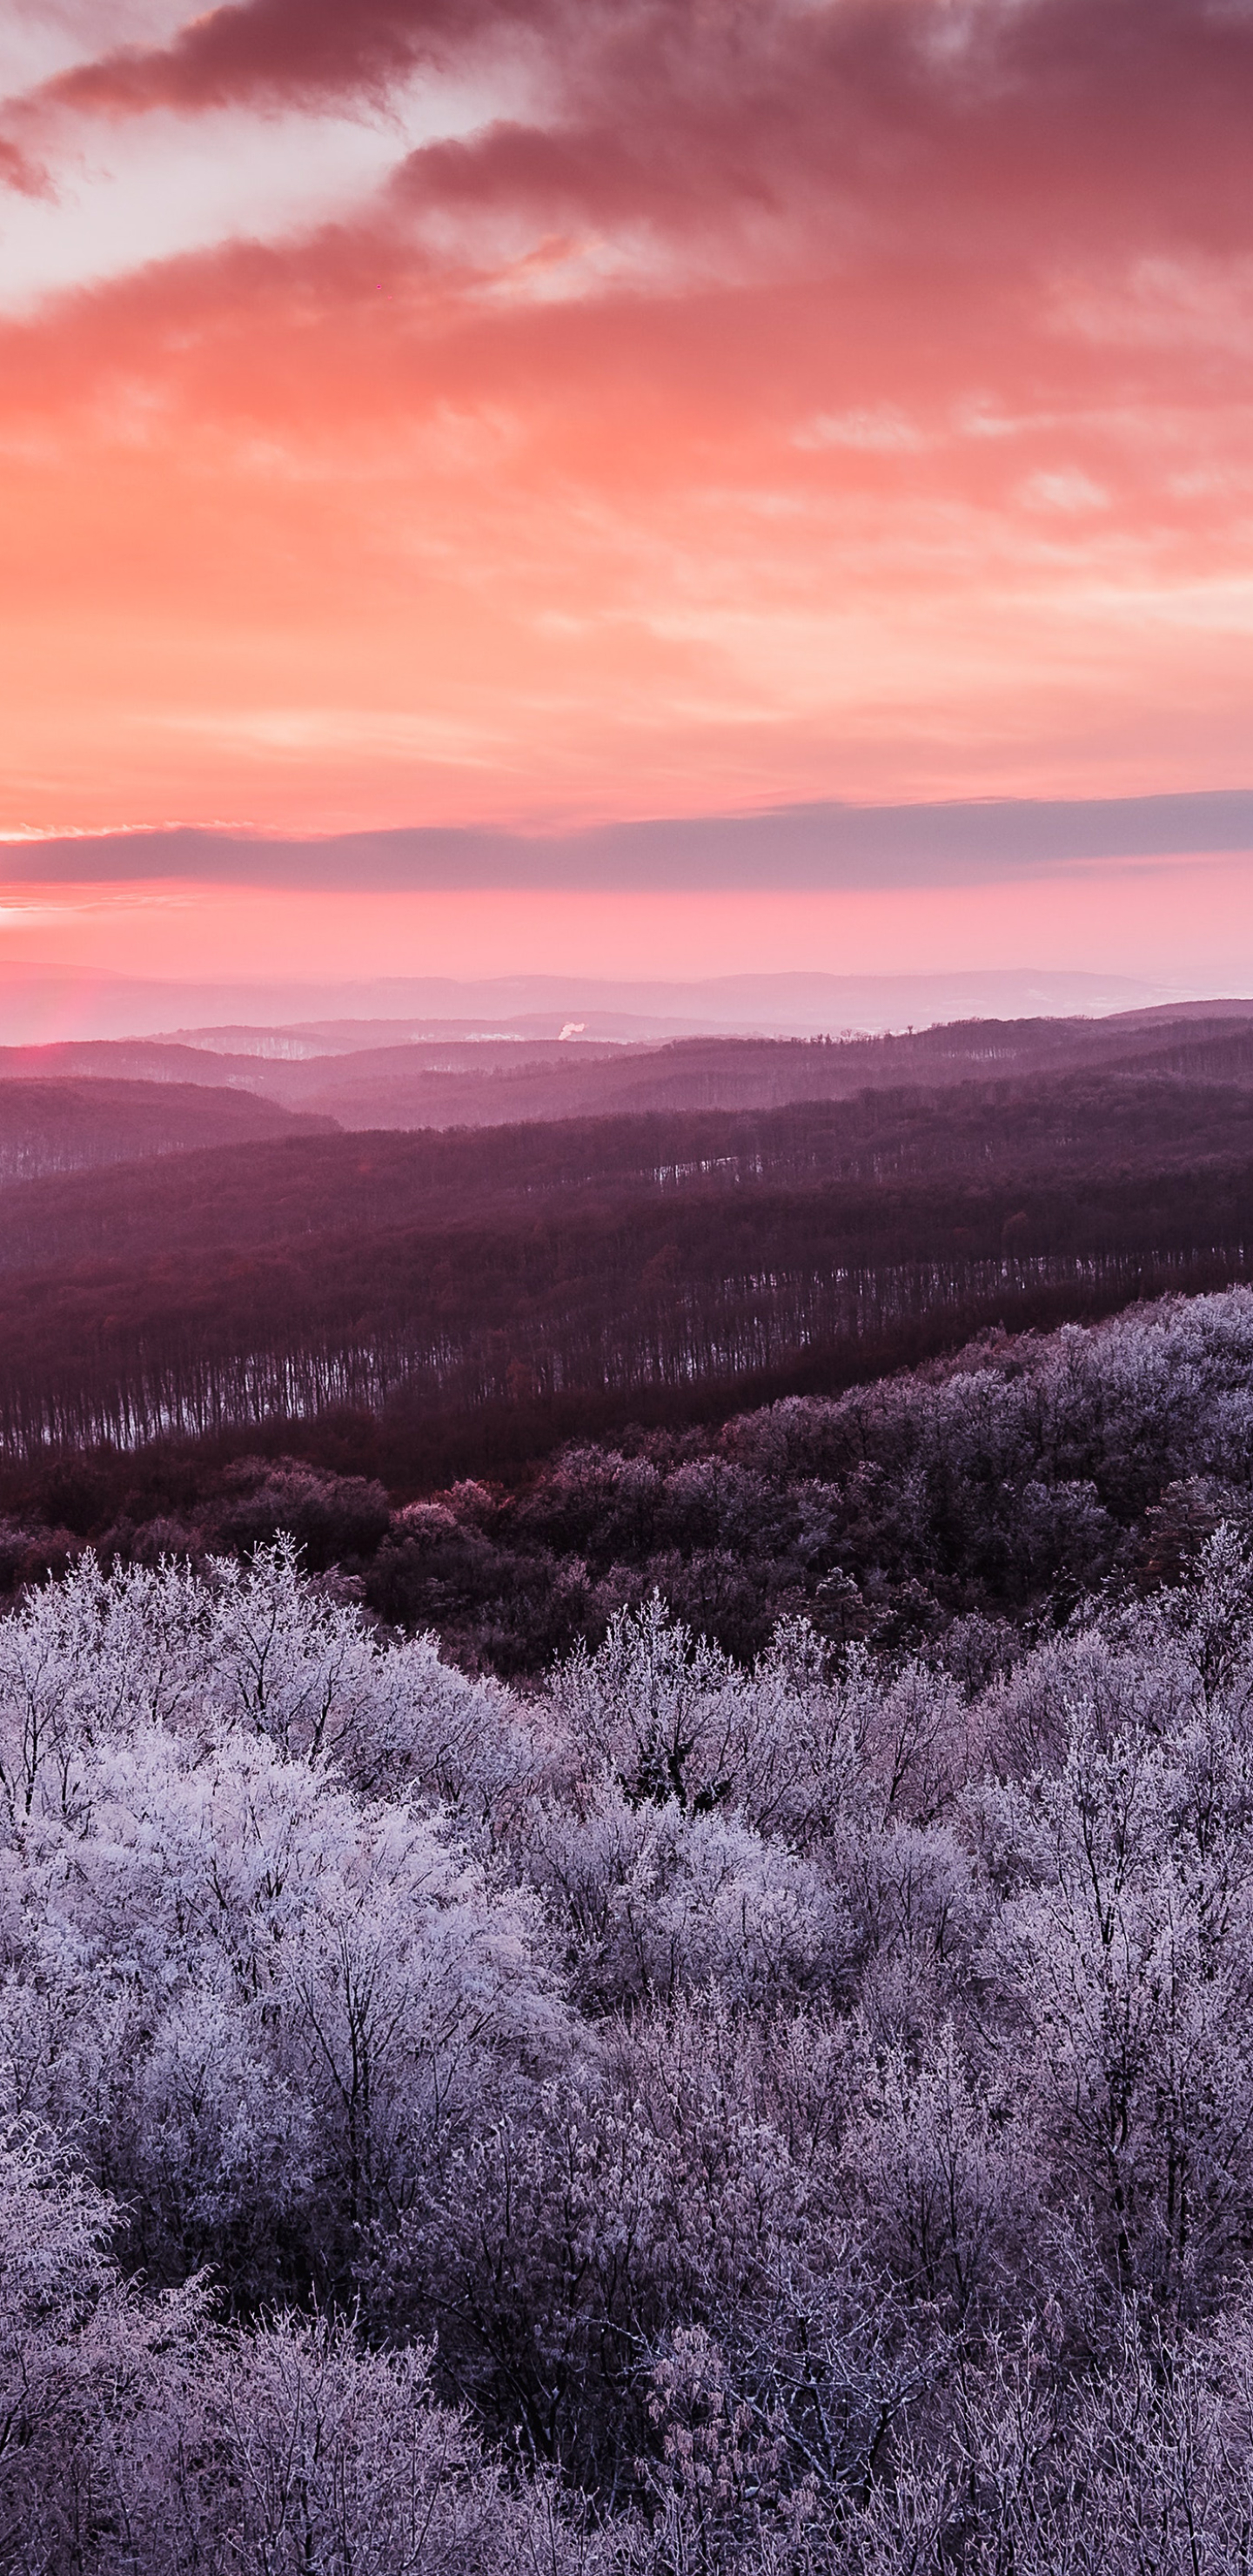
(511, 1082)
(40, 1004)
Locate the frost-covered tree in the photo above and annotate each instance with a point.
(795, 2111)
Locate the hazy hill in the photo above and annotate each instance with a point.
(39, 1001)
(422, 1086)
(73, 1125)
(454, 1082)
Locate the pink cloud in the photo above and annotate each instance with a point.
(268, 51)
(25, 177)
(1052, 109)
(798, 402)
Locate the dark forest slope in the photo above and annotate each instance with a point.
(58, 1126)
(554, 1279)
(295, 1189)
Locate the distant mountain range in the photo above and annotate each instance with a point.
(39, 1004)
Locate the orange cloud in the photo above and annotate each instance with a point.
(792, 403)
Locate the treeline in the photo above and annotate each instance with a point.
(480, 1296)
(1068, 1131)
(695, 1074)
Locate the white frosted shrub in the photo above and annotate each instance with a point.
(654, 1704)
(1124, 1949)
(90, 1657)
(95, 1655)
(945, 2179)
(228, 1972)
(791, 1745)
(309, 1672)
(656, 1901)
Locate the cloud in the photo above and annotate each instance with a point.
(1050, 104)
(765, 403)
(909, 112)
(266, 52)
(977, 154)
(812, 848)
(25, 177)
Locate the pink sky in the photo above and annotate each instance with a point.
(536, 412)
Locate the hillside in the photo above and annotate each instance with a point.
(452, 1081)
(502, 1289)
(297, 1186)
(81, 1123)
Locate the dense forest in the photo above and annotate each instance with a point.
(769, 2104)
(68, 1125)
(987, 1487)
(626, 1819)
(484, 1295)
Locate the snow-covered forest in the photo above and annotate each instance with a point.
(786, 2112)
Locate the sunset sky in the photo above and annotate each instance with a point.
(438, 434)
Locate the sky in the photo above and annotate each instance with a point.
(640, 485)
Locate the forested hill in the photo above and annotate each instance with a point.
(955, 1505)
(387, 1089)
(486, 1294)
(457, 1083)
(83, 1122)
(1056, 1132)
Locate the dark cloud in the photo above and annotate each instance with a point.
(678, 110)
(279, 52)
(938, 178)
(1042, 122)
(809, 847)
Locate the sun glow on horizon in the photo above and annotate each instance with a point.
(1189, 920)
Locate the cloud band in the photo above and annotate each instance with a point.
(814, 847)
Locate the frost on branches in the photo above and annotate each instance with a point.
(788, 2117)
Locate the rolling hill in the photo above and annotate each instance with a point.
(519, 1284)
(84, 1122)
